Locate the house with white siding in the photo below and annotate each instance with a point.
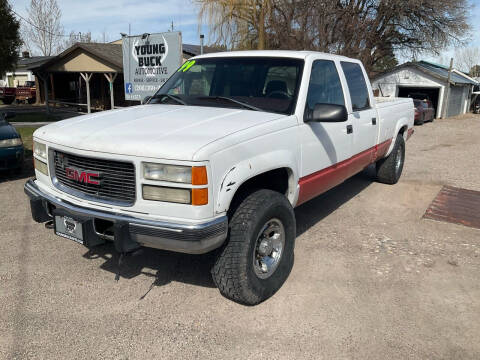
(426, 80)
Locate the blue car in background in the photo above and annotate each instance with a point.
(11, 145)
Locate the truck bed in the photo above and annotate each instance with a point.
(391, 112)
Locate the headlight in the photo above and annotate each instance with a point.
(40, 150)
(196, 175)
(160, 193)
(173, 173)
(10, 142)
(40, 166)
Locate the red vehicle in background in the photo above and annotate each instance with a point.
(7, 94)
(26, 93)
(424, 111)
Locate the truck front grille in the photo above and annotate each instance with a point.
(106, 180)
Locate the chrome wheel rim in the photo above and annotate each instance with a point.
(398, 160)
(269, 247)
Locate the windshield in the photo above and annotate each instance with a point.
(255, 83)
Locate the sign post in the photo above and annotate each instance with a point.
(148, 61)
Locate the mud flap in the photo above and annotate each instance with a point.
(39, 213)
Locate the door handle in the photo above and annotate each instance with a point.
(349, 129)
(374, 121)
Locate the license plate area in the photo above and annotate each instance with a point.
(69, 228)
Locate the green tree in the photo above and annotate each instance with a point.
(9, 39)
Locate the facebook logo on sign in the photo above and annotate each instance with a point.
(128, 88)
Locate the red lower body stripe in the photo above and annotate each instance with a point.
(317, 183)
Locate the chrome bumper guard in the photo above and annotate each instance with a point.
(131, 232)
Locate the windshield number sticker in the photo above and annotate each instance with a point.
(186, 66)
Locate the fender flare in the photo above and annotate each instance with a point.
(247, 169)
(403, 122)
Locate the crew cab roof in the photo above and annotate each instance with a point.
(303, 54)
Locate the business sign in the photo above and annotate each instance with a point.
(148, 61)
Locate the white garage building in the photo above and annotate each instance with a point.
(423, 79)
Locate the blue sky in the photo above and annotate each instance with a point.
(114, 16)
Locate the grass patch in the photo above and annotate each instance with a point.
(33, 117)
(26, 134)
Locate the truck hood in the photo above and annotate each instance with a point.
(157, 131)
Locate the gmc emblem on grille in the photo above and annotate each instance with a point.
(83, 176)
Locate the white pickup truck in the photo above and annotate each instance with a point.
(217, 159)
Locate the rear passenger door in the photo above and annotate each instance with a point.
(364, 115)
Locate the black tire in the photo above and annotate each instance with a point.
(8, 101)
(234, 272)
(388, 172)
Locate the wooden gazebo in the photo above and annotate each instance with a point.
(85, 75)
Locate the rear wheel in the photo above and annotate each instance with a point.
(258, 256)
(390, 168)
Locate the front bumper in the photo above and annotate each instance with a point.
(130, 232)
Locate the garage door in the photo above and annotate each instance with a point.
(455, 101)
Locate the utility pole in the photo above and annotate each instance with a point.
(447, 94)
(201, 44)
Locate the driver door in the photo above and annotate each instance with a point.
(324, 144)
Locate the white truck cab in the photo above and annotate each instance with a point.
(217, 159)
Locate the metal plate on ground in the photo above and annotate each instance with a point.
(456, 205)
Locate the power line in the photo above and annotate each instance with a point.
(37, 27)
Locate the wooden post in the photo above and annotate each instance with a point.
(53, 88)
(111, 79)
(37, 90)
(44, 78)
(87, 77)
(447, 94)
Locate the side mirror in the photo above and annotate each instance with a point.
(146, 100)
(329, 113)
(9, 115)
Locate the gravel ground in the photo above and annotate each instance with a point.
(371, 279)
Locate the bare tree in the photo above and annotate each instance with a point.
(44, 30)
(467, 59)
(74, 38)
(371, 30)
(237, 24)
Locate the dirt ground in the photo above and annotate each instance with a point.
(372, 279)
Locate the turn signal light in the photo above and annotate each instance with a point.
(200, 196)
(199, 175)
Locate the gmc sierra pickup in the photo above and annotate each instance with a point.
(217, 159)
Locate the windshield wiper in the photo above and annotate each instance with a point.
(245, 105)
(178, 100)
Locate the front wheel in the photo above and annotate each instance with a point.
(258, 256)
(390, 168)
